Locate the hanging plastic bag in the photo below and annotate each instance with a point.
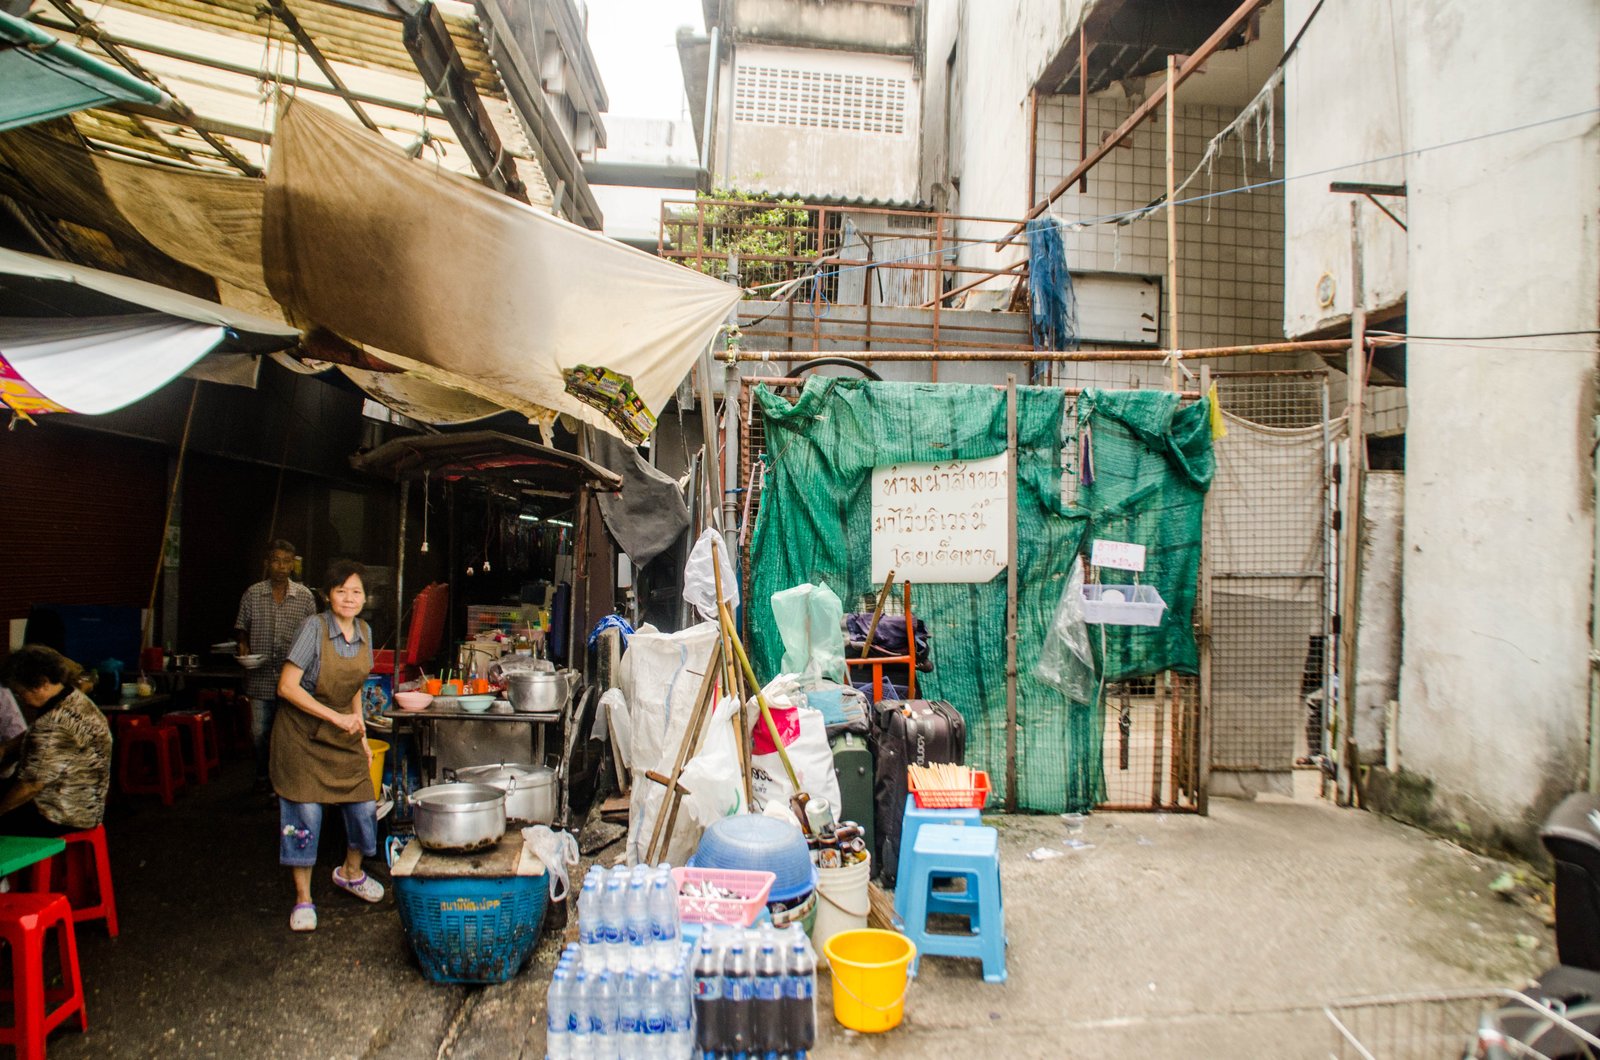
(805, 740)
(700, 581)
(810, 620)
(1066, 662)
(712, 776)
(557, 850)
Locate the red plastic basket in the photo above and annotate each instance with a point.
(749, 887)
(973, 798)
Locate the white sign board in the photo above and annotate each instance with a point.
(1119, 555)
(940, 522)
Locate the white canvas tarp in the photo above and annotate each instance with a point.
(446, 274)
(96, 365)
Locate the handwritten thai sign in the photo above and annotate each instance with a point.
(940, 522)
(1119, 555)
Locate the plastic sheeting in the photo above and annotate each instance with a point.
(437, 269)
(95, 365)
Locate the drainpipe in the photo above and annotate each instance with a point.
(1594, 629)
(708, 119)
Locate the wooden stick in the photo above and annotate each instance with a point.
(761, 699)
(877, 613)
(730, 685)
(686, 749)
(911, 643)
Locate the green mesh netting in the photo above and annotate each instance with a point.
(814, 525)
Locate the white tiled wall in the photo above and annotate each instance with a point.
(1230, 249)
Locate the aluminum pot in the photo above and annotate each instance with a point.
(459, 818)
(537, 693)
(530, 790)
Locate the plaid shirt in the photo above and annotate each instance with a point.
(270, 628)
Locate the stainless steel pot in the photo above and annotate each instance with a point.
(537, 693)
(459, 818)
(530, 790)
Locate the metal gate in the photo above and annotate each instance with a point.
(1270, 547)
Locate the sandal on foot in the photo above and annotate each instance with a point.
(303, 917)
(364, 887)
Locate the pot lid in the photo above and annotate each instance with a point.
(505, 772)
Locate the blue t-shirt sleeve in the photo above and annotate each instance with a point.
(304, 652)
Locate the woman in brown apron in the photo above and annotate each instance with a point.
(320, 755)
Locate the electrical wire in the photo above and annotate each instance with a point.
(1141, 212)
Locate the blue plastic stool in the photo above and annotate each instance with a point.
(971, 852)
(915, 817)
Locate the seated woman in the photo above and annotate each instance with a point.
(65, 766)
(319, 747)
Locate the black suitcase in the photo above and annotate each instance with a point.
(913, 732)
(852, 764)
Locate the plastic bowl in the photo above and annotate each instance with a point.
(413, 700)
(755, 842)
(475, 704)
(250, 662)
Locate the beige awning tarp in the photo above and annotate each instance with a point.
(438, 270)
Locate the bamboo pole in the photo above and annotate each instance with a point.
(1011, 594)
(1003, 356)
(166, 520)
(1350, 568)
(1172, 218)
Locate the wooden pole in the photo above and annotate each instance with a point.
(399, 585)
(1202, 764)
(166, 520)
(741, 735)
(877, 613)
(1351, 545)
(1011, 593)
(1173, 342)
(1083, 105)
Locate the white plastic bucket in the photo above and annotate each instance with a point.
(841, 901)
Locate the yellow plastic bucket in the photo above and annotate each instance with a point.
(869, 978)
(379, 750)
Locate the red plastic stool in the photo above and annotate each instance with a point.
(233, 713)
(24, 919)
(198, 737)
(96, 902)
(159, 773)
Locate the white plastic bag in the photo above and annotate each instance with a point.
(557, 850)
(700, 581)
(807, 747)
(713, 779)
(1066, 661)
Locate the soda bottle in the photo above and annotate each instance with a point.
(799, 999)
(738, 992)
(709, 1003)
(766, 1007)
(557, 1010)
(613, 913)
(636, 924)
(663, 906)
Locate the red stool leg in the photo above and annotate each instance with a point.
(70, 994)
(26, 1033)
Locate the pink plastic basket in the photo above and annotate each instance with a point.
(750, 887)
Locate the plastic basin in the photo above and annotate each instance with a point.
(752, 841)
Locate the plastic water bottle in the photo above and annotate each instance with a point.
(738, 992)
(557, 1010)
(580, 1041)
(591, 923)
(603, 1016)
(766, 1008)
(655, 1017)
(709, 1004)
(680, 1016)
(636, 923)
(663, 906)
(799, 999)
(613, 902)
(629, 1014)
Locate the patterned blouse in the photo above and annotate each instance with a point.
(68, 753)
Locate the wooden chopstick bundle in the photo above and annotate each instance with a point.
(940, 776)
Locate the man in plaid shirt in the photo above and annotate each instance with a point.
(270, 614)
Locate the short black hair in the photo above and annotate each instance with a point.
(33, 665)
(339, 572)
(280, 545)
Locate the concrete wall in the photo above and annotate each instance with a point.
(766, 146)
(852, 25)
(1379, 629)
(1499, 531)
(1345, 103)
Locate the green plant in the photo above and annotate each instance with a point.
(770, 240)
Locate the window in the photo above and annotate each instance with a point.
(770, 95)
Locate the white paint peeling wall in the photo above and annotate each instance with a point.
(1498, 534)
(1343, 99)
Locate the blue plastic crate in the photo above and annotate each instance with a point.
(472, 930)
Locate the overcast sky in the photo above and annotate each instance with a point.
(634, 43)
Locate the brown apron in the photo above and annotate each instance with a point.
(314, 760)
